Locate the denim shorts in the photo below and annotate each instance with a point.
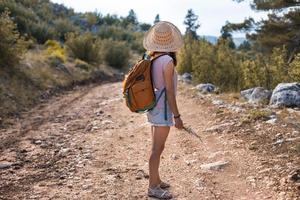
(156, 117)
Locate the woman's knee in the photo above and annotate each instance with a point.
(157, 150)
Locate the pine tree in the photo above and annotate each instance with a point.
(192, 24)
(157, 19)
(226, 35)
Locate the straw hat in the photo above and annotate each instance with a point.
(163, 37)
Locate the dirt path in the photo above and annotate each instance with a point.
(87, 145)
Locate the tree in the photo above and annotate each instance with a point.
(245, 46)
(192, 24)
(145, 26)
(157, 19)
(280, 29)
(226, 35)
(131, 18)
(12, 46)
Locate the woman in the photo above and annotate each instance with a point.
(162, 41)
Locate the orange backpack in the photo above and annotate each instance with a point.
(138, 88)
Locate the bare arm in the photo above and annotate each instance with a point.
(168, 75)
(170, 92)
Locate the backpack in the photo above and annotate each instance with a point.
(138, 88)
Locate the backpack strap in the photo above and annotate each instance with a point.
(154, 58)
(164, 91)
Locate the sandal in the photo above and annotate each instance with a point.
(164, 185)
(159, 193)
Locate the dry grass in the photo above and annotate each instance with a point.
(36, 74)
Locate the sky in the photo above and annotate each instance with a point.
(212, 13)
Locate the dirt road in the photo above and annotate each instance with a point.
(87, 145)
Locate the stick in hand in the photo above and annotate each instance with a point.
(190, 131)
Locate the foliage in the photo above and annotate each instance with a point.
(255, 114)
(280, 29)
(185, 55)
(55, 52)
(81, 64)
(12, 46)
(115, 53)
(253, 73)
(192, 24)
(85, 47)
(157, 19)
(64, 26)
(294, 70)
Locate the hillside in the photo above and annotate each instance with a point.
(55, 48)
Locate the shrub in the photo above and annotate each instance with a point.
(84, 47)
(12, 46)
(41, 31)
(82, 65)
(115, 53)
(294, 71)
(55, 52)
(64, 26)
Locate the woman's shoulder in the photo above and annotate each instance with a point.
(165, 59)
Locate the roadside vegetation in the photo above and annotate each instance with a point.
(47, 46)
(268, 57)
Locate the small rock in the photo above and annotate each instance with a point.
(214, 166)
(256, 95)
(86, 187)
(206, 88)
(217, 102)
(38, 142)
(5, 165)
(186, 78)
(174, 157)
(295, 176)
(141, 174)
(272, 121)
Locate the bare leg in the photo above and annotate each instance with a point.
(159, 137)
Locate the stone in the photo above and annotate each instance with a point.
(38, 142)
(295, 176)
(140, 174)
(174, 157)
(5, 165)
(272, 121)
(206, 88)
(256, 95)
(186, 78)
(286, 95)
(219, 127)
(214, 166)
(217, 102)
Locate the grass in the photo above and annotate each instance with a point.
(22, 87)
(255, 114)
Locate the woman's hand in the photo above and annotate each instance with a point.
(178, 123)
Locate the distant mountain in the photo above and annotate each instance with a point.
(213, 39)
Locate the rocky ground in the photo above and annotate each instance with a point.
(86, 144)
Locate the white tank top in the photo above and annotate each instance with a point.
(158, 67)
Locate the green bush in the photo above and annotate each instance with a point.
(84, 47)
(41, 32)
(12, 46)
(294, 70)
(62, 27)
(115, 53)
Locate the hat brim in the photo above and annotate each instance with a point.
(174, 46)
